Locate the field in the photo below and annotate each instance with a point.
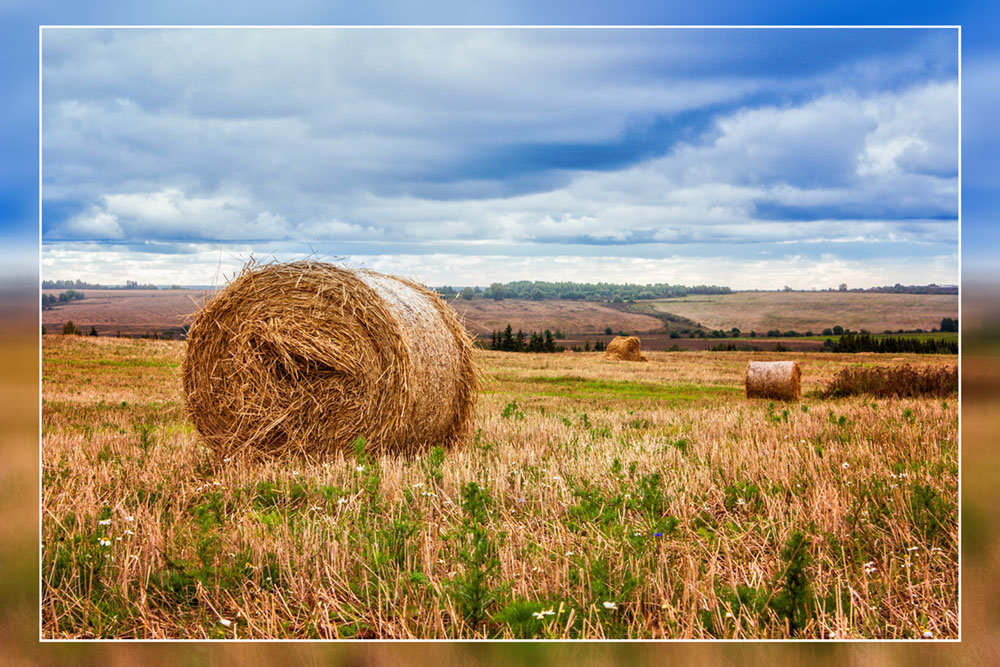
(812, 311)
(597, 499)
(126, 311)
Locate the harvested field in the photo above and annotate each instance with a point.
(127, 311)
(141, 311)
(629, 500)
(812, 311)
(482, 316)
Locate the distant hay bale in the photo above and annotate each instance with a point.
(624, 348)
(774, 379)
(309, 356)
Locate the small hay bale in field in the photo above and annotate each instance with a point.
(309, 356)
(624, 348)
(774, 379)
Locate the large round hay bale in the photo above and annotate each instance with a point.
(774, 379)
(309, 356)
(624, 348)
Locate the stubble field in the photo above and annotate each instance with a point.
(597, 499)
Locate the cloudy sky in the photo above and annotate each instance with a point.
(750, 158)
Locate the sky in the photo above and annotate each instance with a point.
(645, 152)
(750, 158)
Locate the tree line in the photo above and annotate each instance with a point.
(49, 300)
(508, 341)
(890, 344)
(540, 290)
(80, 284)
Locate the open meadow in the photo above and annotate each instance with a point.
(597, 499)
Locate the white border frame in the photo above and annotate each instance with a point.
(42, 27)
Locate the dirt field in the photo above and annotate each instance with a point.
(483, 316)
(127, 311)
(815, 311)
(139, 311)
(597, 499)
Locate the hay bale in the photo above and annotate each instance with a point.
(624, 348)
(309, 356)
(774, 379)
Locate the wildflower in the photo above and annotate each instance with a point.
(537, 614)
(657, 534)
(418, 485)
(360, 468)
(927, 634)
(845, 465)
(912, 548)
(104, 522)
(226, 460)
(130, 519)
(870, 567)
(610, 605)
(569, 553)
(729, 614)
(225, 622)
(105, 543)
(740, 501)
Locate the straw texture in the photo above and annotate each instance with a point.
(781, 380)
(624, 348)
(310, 356)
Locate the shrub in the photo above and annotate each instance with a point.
(69, 329)
(886, 381)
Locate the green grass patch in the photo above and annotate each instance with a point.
(571, 386)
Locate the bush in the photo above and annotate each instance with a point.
(69, 329)
(887, 381)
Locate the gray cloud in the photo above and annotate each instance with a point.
(517, 137)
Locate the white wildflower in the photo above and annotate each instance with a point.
(104, 522)
(610, 605)
(225, 622)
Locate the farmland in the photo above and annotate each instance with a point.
(812, 311)
(597, 499)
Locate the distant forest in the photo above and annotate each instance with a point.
(538, 290)
(909, 289)
(81, 284)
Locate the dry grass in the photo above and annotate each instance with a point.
(311, 357)
(656, 487)
(894, 382)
